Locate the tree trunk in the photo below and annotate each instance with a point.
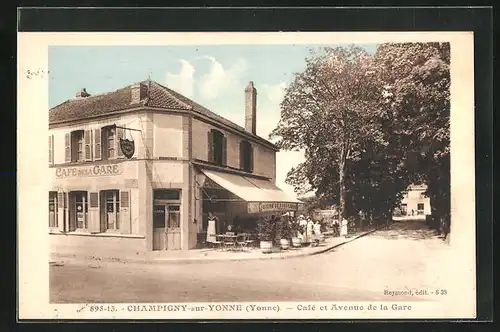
(341, 192)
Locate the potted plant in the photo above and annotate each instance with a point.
(266, 228)
(285, 231)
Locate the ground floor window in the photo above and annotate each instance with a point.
(174, 214)
(111, 205)
(420, 208)
(404, 209)
(53, 209)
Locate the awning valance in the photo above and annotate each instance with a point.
(262, 195)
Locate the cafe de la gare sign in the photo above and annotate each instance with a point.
(96, 170)
(257, 207)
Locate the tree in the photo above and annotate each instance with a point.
(327, 111)
(416, 79)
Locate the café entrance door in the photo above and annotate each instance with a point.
(166, 227)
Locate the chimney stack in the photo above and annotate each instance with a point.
(82, 94)
(139, 93)
(250, 108)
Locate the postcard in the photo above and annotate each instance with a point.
(283, 175)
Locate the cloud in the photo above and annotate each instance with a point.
(274, 93)
(219, 80)
(183, 82)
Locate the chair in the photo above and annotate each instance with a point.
(241, 241)
(249, 239)
(229, 242)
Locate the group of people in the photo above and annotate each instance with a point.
(311, 230)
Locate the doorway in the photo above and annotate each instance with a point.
(78, 211)
(166, 227)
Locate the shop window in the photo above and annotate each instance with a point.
(420, 208)
(217, 147)
(53, 209)
(174, 216)
(111, 206)
(246, 156)
(167, 194)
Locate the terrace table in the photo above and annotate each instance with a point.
(227, 239)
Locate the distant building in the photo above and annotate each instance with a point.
(415, 202)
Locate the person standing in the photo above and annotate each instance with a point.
(317, 232)
(343, 228)
(309, 230)
(211, 229)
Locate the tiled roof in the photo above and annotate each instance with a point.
(159, 96)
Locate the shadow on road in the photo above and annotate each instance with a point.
(408, 229)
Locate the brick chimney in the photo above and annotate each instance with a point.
(139, 93)
(250, 108)
(82, 94)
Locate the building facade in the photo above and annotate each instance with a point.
(415, 202)
(183, 161)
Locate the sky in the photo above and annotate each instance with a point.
(212, 75)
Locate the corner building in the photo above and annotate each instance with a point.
(187, 161)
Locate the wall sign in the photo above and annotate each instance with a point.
(127, 147)
(256, 207)
(97, 170)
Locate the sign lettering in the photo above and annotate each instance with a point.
(97, 170)
(255, 207)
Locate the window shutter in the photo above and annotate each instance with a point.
(119, 136)
(224, 150)
(97, 144)
(210, 144)
(51, 161)
(94, 216)
(251, 158)
(88, 145)
(60, 211)
(125, 224)
(242, 156)
(67, 147)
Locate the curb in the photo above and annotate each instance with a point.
(198, 260)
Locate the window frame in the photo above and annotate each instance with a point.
(246, 156)
(77, 140)
(114, 195)
(217, 147)
(53, 198)
(106, 147)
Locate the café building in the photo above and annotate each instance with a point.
(139, 169)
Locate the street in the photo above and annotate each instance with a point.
(407, 256)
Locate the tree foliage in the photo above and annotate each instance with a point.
(370, 125)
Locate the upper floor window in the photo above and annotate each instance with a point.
(88, 145)
(76, 146)
(217, 147)
(246, 156)
(108, 142)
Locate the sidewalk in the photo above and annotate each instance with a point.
(207, 255)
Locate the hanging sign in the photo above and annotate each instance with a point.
(128, 147)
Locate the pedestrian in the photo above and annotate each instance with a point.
(317, 232)
(412, 212)
(309, 230)
(343, 227)
(211, 229)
